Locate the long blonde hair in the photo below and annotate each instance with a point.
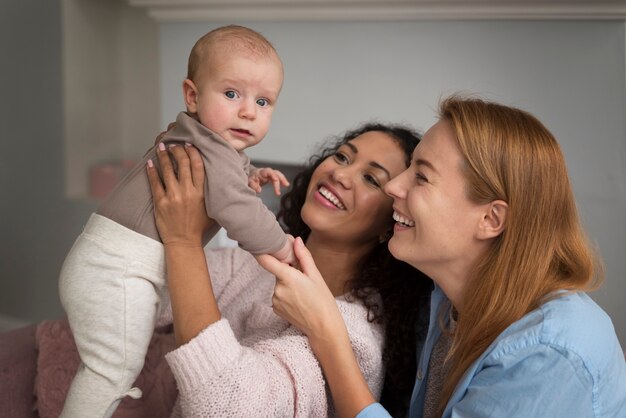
(510, 155)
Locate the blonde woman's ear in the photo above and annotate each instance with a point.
(190, 95)
(493, 222)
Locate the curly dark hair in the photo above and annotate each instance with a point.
(404, 292)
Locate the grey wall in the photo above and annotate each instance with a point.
(570, 74)
(37, 223)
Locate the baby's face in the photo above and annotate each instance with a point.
(236, 97)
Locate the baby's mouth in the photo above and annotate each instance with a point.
(241, 131)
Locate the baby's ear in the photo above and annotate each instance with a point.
(190, 95)
(494, 219)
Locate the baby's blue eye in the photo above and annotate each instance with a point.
(230, 94)
(262, 102)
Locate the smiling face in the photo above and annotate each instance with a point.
(235, 95)
(345, 199)
(437, 225)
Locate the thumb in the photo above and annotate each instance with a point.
(271, 264)
(307, 264)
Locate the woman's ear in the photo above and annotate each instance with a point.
(190, 95)
(494, 219)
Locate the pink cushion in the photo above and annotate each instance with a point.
(17, 372)
(58, 361)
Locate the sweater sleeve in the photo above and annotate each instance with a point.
(217, 376)
(277, 376)
(367, 343)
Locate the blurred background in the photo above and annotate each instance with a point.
(86, 85)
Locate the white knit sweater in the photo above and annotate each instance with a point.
(252, 363)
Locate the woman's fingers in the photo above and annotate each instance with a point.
(155, 181)
(302, 299)
(167, 169)
(197, 166)
(284, 271)
(305, 259)
(182, 162)
(179, 208)
(171, 126)
(277, 302)
(190, 167)
(277, 268)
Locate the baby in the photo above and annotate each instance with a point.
(113, 282)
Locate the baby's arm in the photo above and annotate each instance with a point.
(258, 177)
(285, 254)
(233, 204)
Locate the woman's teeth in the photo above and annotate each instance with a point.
(331, 197)
(402, 220)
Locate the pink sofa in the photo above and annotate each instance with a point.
(18, 366)
(37, 363)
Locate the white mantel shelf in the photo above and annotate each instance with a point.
(379, 10)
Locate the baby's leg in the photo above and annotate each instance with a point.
(112, 301)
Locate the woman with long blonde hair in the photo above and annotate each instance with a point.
(487, 211)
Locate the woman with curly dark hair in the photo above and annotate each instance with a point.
(236, 355)
(381, 274)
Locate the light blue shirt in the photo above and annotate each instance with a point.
(560, 360)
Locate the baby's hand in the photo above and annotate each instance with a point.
(261, 176)
(286, 254)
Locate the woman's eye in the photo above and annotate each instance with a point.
(372, 180)
(230, 94)
(341, 157)
(421, 178)
(263, 102)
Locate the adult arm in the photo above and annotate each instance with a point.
(181, 220)
(303, 299)
(277, 376)
(215, 373)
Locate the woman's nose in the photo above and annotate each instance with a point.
(395, 187)
(343, 176)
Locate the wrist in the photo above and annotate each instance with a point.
(329, 334)
(187, 244)
(348, 386)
